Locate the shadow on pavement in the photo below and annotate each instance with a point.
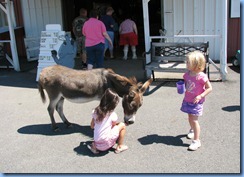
(27, 78)
(235, 68)
(82, 149)
(231, 108)
(18, 79)
(168, 140)
(46, 129)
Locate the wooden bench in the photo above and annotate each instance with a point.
(171, 57)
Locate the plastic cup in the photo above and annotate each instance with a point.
(180, 87)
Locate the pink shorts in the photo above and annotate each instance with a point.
(109, 141)
(128, 39)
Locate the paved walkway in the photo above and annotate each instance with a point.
(157, 142)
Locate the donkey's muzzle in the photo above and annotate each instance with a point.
(129, 122)
(129, 119)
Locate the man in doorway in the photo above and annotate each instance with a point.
(109, 22)
(77, 24)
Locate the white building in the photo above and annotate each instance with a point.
(188, 20)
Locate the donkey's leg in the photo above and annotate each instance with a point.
(50, 109)
(54, 99)
(59, 108)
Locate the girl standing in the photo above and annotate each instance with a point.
(104, 122)
(198, 87)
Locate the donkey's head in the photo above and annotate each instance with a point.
(132, 93)
(133, 100)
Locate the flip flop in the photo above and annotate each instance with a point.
(94, 151)
(119, 150)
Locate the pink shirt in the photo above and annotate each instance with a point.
(93, 29)
(195, 85)
(127, 26)
(103, 129)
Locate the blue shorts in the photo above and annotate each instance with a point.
(191, 108)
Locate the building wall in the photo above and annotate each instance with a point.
(38, 13)
(196, 17)
(180, 17)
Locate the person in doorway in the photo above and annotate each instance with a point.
(77, 24)
(128, 37)
(109, 22)
(95, 32)
(106, 128)
(198, 87)
(116, 30)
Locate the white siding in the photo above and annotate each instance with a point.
(38, 13)
(196, 17)
(169, 16)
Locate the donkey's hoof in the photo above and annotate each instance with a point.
(69, 125)
(56, 129)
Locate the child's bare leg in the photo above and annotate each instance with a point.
(122, 130)
(190, 121)
(195, 125)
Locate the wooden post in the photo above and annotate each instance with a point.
(146, 32)
(12, 36)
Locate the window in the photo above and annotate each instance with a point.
(235, 8)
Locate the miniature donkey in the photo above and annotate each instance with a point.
(81, 86)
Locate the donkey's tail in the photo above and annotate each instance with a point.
(41, 91)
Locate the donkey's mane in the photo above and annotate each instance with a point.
(131, 80)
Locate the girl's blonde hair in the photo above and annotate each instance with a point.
(196, 61)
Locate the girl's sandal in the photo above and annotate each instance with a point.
(121, 149)
(91, 147)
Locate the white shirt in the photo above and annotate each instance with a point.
(102, 129)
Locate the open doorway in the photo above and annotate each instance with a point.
(70, 9)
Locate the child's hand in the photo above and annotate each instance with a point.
(197, 99)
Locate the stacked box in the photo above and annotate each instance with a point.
(51, 39)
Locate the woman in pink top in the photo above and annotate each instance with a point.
(106, 129)
(95, 32)
(128, 36)
(198, 87)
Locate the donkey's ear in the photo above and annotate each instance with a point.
(146, 85)
(132, 94)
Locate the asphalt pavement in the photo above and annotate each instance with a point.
(157, 141)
